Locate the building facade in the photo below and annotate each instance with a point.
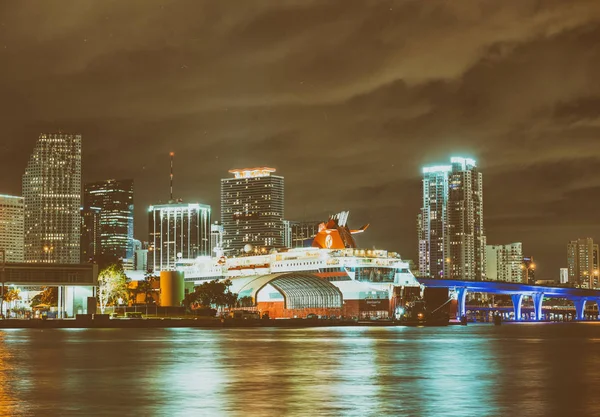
(450, 225)
(177, 231)
(12, 228)
(216, 238)
(528, 270)
(252, 209)
(582, 261)
(52, 197)
(504, 262)
(432, 221)
(564, 275)
(114, 198)
(90, 234)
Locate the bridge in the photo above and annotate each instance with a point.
(578, 296)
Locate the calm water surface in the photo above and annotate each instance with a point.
(478, 370)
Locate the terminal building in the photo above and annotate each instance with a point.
(76, 284)
(331, 277)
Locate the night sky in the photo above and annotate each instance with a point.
(347, 99)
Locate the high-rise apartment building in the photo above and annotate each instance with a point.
(90, 234)
(252, 209)
(504, 262)
(582, 261)
(52, 195)
(114, 198)
(432, 221)
(177, 231)
(450, 225)
(12, 239)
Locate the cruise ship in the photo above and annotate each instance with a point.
(332, 276)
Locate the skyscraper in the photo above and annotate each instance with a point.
(177, 231)
(52, 195)
(504, 262)
(114, 198)
(90, 233)
(252, 209)
(582, 260)
(12, 238)
(450, 224)
(432, 221)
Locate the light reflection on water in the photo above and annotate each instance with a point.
(481, 370)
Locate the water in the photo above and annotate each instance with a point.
(478, 370)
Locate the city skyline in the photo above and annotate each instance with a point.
(410, 106)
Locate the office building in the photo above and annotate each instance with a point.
(252, 209)
(528, 268)
(450, 225)
(177, 231)
(52, 196)
(12, 238)
(114, 199)
(216, 238)
(504, 262)
(582, 262)
(564, 275)
(90, 234)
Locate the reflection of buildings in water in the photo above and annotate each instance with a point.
(9, 400)
(455, 373)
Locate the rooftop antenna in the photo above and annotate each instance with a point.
(172, 154)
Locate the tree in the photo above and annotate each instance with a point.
(112, 285)
(146, 287)
(245, 301)
(11, 295)
(213, 293)
(49, 295)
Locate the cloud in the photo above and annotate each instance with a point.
(346, 99)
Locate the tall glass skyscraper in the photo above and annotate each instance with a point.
(451, 235)
(177, 231)
(114, 199)
(252, 209)
(52, 195)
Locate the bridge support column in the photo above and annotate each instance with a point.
(462, 301)
(517, 302)
(579, 308)
(538, 298)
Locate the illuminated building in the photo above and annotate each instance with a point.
(114, 198)
(216, 238)
(432, 221)
(582, 260)
(450, 225)
(528, 270)
(332, 276)
(177, 231)
(12, 239)
(52, 195)
(252, 209)
(90, 233)
(564, 275)
(505, 262)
